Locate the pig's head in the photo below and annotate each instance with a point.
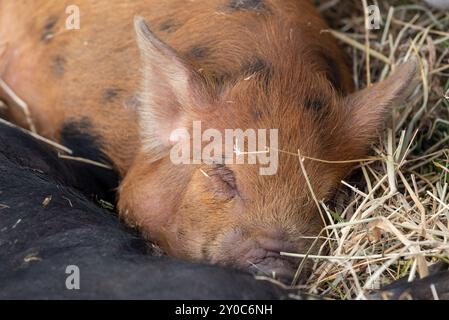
(230, 213)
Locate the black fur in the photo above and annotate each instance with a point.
(79, 136)
(419, 289)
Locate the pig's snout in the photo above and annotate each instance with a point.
(266, 259)
(273, 266)
(261, 255)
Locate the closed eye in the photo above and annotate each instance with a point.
(223, 180)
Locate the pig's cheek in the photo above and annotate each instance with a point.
(199, 222)
(153, 210)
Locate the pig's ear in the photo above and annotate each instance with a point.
(369, 108)
(169, 92)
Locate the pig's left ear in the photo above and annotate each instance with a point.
(369, 108)
(171, 90)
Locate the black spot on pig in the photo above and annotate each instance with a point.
(316, 104)
(48, 30)
(256, 65)
(257, 114)
(111, 94)
(197, 52)
(58, 65)
(260, 69)
(169, 26)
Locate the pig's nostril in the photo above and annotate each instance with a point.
(267, 261)
(261, 254)
(264, 258)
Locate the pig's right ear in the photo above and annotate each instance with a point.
(368, 109)
(171, 90)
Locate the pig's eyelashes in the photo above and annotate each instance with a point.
(223, 180)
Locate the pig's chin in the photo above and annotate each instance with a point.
(260, 256)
